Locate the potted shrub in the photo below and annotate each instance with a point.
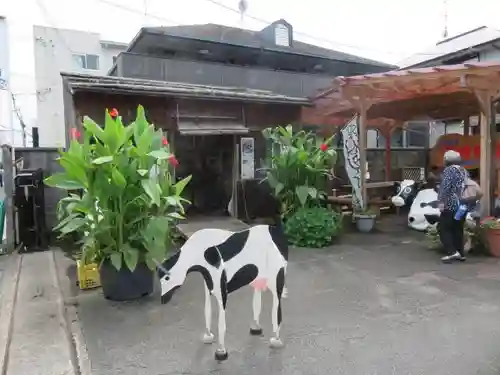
(365, 220)
(313, 227)
(491, 228)
(128, 204)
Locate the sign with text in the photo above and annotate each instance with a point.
(468, 147)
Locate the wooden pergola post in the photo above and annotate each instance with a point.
(487, 132)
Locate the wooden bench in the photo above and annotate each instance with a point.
(345, 203)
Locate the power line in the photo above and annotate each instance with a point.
(313, 37)
(309, 36)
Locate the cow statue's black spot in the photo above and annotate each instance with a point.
(244, 276)
(169, 263)
(213, 257)
(233, 245)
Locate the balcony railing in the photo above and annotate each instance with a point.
(204, 73)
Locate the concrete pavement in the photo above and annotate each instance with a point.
(373, 304)
(33, 335)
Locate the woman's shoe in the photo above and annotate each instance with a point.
(451, 258)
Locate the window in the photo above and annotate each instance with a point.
(281, 35)
(90, 62)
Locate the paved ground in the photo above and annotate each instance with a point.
(374, 304)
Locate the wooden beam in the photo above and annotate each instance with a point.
(486, 146)
(487, 83)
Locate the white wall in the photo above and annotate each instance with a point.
(6, 135)
(54, 50)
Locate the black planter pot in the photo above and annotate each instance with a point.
(124, 285)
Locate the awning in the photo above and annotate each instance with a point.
(211, 128)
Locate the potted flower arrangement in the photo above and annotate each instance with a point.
(365, 220)
(128, 201)
(491, 227)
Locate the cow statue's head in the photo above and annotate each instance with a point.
(405, 192)
(172, 275)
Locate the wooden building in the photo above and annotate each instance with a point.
(205, 125)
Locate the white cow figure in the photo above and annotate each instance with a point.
(424, 212)
(229, 261)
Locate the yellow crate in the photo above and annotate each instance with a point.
(88, 275)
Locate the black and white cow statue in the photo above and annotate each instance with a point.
(423, 206)
(228, 261)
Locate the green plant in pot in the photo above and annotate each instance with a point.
(299, 169)
(129, 201)
(365, 220)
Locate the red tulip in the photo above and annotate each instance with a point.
(173, 161)
(323, 147)
(164, 141)
(74, 133)
(113, 113)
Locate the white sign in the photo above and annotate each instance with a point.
(351, 160)
(247, 158)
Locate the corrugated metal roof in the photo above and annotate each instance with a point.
(462, 42)
(250, 38)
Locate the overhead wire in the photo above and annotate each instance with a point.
(266, 22)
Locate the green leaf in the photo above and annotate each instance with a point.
(160, 154)
(143, 172)
(131, 257)
(63, 181)
(313, 192)
(118, 178)
(278, 188)
(176, 215)
(102, 160)
(152, 189)
(150, 262)
(302, 193)
(181, 185)
(116, 260)
(73, 225)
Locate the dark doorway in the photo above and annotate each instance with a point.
(209, 159)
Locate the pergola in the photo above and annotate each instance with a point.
(387, 100)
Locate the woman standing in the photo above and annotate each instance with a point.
(451, 229)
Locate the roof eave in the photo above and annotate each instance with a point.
(449, 55)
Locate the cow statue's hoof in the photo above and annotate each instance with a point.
(284, 294)
(208, 338)
(256, 331)
(275, 343)
(221, 355)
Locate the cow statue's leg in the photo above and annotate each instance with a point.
(220, 293)
(276, 318)
(284, 295)
(208, 336)
(255, 328)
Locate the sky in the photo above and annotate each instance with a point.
(385, 30)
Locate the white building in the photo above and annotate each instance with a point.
(480, 44)
(6, 134)
(58, 50)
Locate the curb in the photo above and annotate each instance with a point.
(71, 324)
(10, 284)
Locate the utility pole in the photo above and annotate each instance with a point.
(20, 118)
